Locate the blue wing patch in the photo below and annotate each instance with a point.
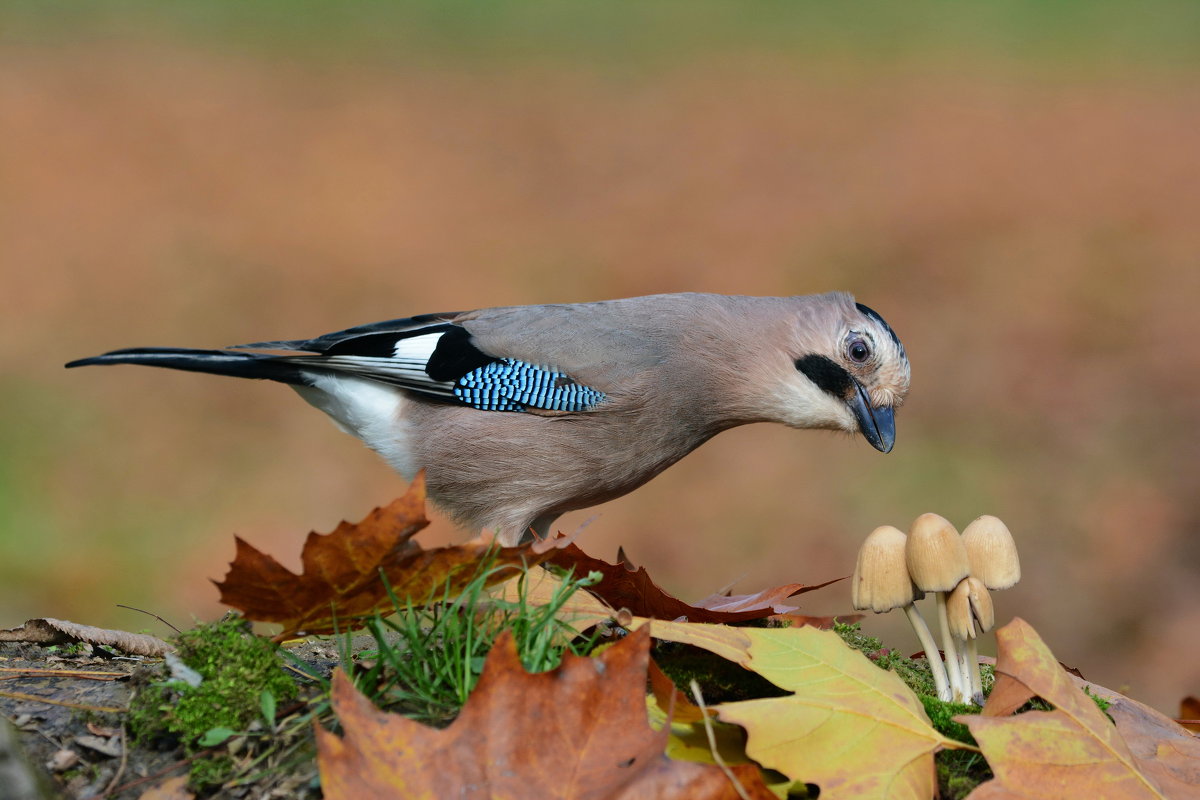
(510, 385)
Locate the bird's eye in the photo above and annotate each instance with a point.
(858, 351)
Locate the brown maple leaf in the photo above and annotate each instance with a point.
(579, 731)
(341, 576)
(631, 588)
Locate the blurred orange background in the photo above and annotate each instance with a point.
(1015, 188)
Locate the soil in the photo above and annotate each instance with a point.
(77, 749)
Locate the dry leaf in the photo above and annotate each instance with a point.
(767, 602)
(579, 731)
(1073, 751)
(47, 631)
(100, 744)
(1163, 749)
(170, 789)
(581, 610)
(851, 728)
(624, 586)
(341, 570)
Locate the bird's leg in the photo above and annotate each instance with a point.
(539, 529)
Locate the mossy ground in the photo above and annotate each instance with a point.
(238, 670)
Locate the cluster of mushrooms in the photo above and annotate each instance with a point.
(894, 570)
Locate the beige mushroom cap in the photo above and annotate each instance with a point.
(936, 557)
(881, 580)
(992, 552)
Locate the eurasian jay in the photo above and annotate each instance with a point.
(520, 414)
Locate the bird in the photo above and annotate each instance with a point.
(520, 414)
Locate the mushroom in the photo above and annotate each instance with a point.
(992, 553)
(994, 562)
(970, 613)
(881, 583)
(937, 561)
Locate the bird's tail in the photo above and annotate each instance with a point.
(217, 362)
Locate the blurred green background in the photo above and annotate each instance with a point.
(1015, 186)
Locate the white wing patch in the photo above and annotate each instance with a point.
(405, 368)
(418, 348)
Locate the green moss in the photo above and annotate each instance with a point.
(236, 667)
(959, 772)
(942, 715)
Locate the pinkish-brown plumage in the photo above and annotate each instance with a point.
(672, 371)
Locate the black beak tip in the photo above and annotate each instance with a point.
(877, 424)
(881, 432)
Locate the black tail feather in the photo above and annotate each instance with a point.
(216, 362)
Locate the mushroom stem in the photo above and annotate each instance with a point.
(964, 669)
(936, 668)
(950, 652)
(976, 679)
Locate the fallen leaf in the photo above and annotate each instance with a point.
(1163, 749)
(579, 731)
(581, 610)
(731, 644)
(767, 602)
(340, 580)
(842, 708)
(629, 587)
(170, 789)
(47, 631)
(1073, 751)
(100, 744)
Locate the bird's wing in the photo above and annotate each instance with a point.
(439, 359)
(323, 344)
(565, 357)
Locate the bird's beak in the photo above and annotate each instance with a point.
(877, 424)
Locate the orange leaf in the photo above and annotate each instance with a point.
(629, 587)
(1162, 748)
(579, 731)
(340, 580)
(1073, 751)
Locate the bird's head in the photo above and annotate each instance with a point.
(850, 371)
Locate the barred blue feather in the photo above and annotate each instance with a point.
(510, 385)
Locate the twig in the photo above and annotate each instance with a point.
(150, 614)
(81, 706)
(712, 743)
(31, 672)
(120, 767)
